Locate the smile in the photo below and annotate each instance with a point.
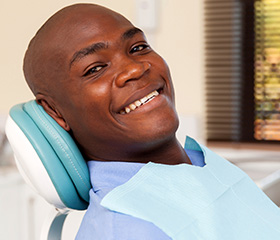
(138, 103)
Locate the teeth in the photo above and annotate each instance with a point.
(150, 95)
(122, 112)
(139, 102)
(143, 100)
(132, 106)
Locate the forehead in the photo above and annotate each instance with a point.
(89, 25)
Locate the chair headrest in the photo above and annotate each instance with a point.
(48, 157)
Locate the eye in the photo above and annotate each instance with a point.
(139, 48)
(94, 70)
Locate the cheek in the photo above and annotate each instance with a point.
(95, 96)
(163, 69)
(98, 92)
(91, 122)
(87, 104)
(161, 66)
(95, 107)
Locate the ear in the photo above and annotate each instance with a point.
(50, 109)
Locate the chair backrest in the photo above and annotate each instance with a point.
(48, 157)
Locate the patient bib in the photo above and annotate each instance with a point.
(215, 202)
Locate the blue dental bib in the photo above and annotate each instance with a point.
(215, 202)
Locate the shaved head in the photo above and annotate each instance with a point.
(44, 62)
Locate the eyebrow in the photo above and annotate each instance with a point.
(88, 50)
(130, 33)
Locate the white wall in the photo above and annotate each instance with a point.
(178, 38)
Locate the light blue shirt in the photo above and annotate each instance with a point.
(99, 223)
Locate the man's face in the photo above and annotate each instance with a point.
(117, 96)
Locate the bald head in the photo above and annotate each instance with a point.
(45, 62)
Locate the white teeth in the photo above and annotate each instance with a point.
(150, 95)
(132, 106)
(143, 100)
(127, 110)
(139, 102)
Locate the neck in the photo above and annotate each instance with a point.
(171, 153)
(168, 152)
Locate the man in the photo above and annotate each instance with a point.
(86, 66)
(97, 76)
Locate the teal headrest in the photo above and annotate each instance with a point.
(57, 151)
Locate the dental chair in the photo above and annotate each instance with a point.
(50, 162)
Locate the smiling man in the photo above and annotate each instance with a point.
(96, 75)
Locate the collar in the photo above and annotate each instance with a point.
(108, 175)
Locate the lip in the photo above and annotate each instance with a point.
(138, 94)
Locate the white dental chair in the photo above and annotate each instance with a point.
(50, 162)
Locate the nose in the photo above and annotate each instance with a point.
(131, 70)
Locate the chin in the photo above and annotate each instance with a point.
(161, 129)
